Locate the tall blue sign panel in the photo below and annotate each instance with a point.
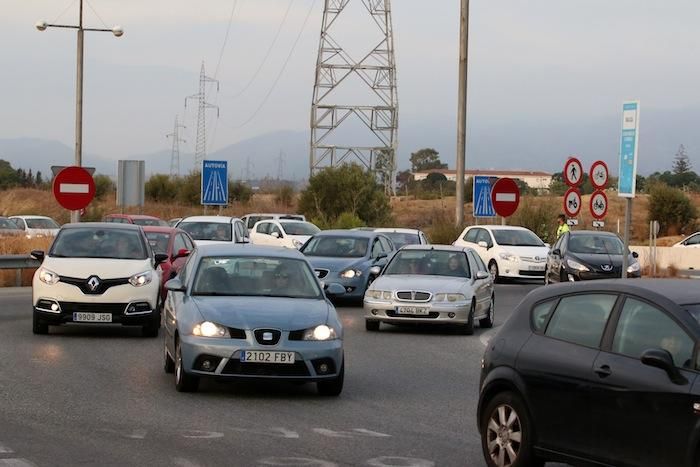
(215, 183)
(626, 185)
(483, 206)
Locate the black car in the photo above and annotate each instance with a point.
(588, 254)
(601, 372)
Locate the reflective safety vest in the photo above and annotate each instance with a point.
(562, 229)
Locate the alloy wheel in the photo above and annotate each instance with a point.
(504, 436)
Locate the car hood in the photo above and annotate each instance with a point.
(434, 284)
(268, 312)
(213, 242)
(82, 268)
(527, 251)
(596, 260)
(335, 264)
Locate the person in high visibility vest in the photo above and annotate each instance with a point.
(562, 226)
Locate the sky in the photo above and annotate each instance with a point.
(532, 63)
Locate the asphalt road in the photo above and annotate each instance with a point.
(99, 396)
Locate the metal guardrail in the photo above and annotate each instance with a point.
(19, 263)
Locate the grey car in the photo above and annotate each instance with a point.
(436, 284)
(251, 312)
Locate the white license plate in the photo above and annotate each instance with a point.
(259, 356)
(92, 317)
(412, 310)
(537, 268)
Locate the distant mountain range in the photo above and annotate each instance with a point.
(532, 145)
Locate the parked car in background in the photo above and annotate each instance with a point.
(176, 244)
(283, 232)
(432, 285)
(214, 229)
(9, 229)
(400, 236)
(588, 254)
(508, 251)
(173, 222)
(138, 219)
(351, 258)
(248, 312)
(595, 373)
(251, 219)
(691, 241)
(36, 226)
(97, 273)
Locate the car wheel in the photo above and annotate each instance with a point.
(371, 325)
(184, 382)
(168, 362)
(38, 326)
(490, 316)
(151, 329)
(493, 270)
(506, 433)
(468, 328)
(334, 386)
(546, 276)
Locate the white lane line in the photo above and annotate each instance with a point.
(17, 463)
(5, 450)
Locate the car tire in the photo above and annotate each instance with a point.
(490, 315)
(334, 386)
(468, 328)
(151, 329)
(505, 418)
(184, 382)
(493, 270)
(546, 276)
(372, 325)
(168, 362)
(38, 326)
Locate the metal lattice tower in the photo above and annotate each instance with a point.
(200, 150)
(175, 153)
(378, 110)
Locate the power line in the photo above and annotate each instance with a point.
(64, 11)
(97, 14)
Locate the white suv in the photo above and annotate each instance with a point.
(285, 233)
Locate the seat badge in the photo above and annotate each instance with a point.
(267, 336)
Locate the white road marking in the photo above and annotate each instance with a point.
(74, 188)
(392, 461)
(196, 434)
(296, 461)
(16, 463)
(5, 450)
(182, 462)
(374, 434)
(277, 432)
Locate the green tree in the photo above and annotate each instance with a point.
(285, 195)
(672, 208)
(189, 189)
(239, 191)
(426, 159)
(385, 166)
(8, 176)
(345, 189)
(681, 161)
(161, 188)
(103, 186)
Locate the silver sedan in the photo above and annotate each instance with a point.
(436, 284)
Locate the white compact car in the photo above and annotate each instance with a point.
(509, 251)
(284, 233)
(691, 241)
(214, 229)
(98, 273)
(36, 226)
(251, 219)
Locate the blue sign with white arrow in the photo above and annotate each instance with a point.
(215, 183)
(626, 185)
(483, 207)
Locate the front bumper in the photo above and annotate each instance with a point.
(575, 275)
(224, 357)
(437, 313)
(521, 269)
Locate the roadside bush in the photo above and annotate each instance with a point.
(103, 186)
(239, 191)
(442, 229)
(285, 195)
(672, 208)
(538, 215)
(189, 189)
(160, 188)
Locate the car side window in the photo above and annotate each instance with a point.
(581, 319)
(188, 242)
(642, 326)
(694, 240)
(241, 229)
(19, 223)
(179, 243)
(483, 236)
(477, 263)
(564, 243)
(262, 227)
(386, 245)
(376, 248)
(275, 228)
(540, 314)
(471, 235)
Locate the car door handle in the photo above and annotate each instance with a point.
(603, 371)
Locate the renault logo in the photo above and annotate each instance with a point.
(606, 267)
(267, 336)
(93, 283)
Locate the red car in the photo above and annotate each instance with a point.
(176, 243)
(138, 219)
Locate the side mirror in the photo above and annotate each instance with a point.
(662, 359)
(380, 256)
(482, 275)
(161, 258)
(375, 271)
(38, 255)
(548, 245)
(635, 254)
(482, 244)
(181, 252)
(175, 285)
(335, 290)
(556, 252)
(275, 234)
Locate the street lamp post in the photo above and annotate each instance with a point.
(118, 32)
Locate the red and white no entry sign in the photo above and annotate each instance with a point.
(599, 204)
(572, 202)
(599, 175)
(573, 172)
(73, 188)
(505, 197)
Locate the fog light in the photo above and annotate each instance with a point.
(54, 307)
(206, 365)
(348, 289)
(131, 309)
(507, 271)
(451, 315)
(374, 312)
(323, 368)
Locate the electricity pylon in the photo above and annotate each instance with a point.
(377, 109)
(200, 150)
(175, 153)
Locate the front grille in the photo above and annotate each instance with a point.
(296, 335)
(102, 284)
(73, 307)
(394, 314)
(536, 259)
(273, 336)
(413, 295)
(531, 273)
(235, 367)
(321, 273)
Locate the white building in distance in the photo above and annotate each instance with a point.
(534, 179)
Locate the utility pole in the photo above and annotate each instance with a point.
(462, 109)
(200, 151)
(175, 153)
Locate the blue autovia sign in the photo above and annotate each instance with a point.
(483, 207)
(626, 185)
(215, 183)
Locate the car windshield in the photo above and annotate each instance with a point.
(255, 276)
(42, 224)
(429, 263)
(147, 221)
(337, 247)
(513, 237)
(158, 241)
(694, 310)
(216, 231)
(299, 228)
(98, 243)
(400, 239)
(595, 244)
(6, 224)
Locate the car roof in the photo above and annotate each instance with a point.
(248, 250)
(347, 233)
(132, 216)
(160, 229)
(437, 247)
(593, 232)
(272, 214)
(101, 225)
(212, 219)
(31, 217)
(396, 230)
(500, 227)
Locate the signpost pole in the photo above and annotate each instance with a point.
(462, 110)
(629, 147)
(628, 223)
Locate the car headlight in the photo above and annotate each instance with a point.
(209, 329)
(297, 244)
(141, 279)
(379, 294)
(576, 265)
(449, 297)
(350, 273)
(48, 277)
(508, 257)
(320, 333)
(634, 267)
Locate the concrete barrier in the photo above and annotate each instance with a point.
(681, 258)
